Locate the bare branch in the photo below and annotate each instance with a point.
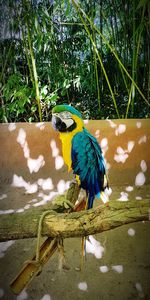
(74, 224)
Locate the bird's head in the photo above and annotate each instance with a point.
(66, 118)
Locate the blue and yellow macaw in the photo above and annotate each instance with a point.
(81, 151)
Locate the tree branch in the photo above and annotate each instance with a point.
(75, 224)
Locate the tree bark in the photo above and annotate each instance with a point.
(74, 224)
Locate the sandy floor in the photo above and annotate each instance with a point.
(117, 265)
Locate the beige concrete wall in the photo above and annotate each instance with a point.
(30, 158)
(32, 152)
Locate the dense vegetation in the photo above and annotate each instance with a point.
(92, 54)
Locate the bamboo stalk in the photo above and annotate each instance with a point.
(34, 73)
(97, 82)
(99, 57)
(28, 58)
(78, 8)
(35, 77)
(95, 65)
(5, 62)
(135, 58)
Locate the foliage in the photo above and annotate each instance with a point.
(92, 54)
(17, 97)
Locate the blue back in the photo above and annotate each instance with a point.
(88, 163)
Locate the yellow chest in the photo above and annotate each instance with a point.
(66, 139)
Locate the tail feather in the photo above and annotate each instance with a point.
(90, 201)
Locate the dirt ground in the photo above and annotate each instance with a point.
(117, 262)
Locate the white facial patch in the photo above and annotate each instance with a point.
(65, 117)
(68, 122)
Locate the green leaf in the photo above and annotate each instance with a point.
(36, 23)
(54, 97)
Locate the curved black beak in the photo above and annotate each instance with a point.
(58, 124)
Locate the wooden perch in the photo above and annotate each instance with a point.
(74, 224)
(32, 267)
(57, 225)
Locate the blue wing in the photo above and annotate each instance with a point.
(88, 163)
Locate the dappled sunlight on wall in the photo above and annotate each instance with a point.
(94, 247)
(23, 295)
(4, 246)
(33, 170)
(59, 162)
(116, 268)
(120, 129)
(82, 286)
(18, 181)
(123, 154)
(33, 164)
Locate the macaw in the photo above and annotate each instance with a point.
(81, 151)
